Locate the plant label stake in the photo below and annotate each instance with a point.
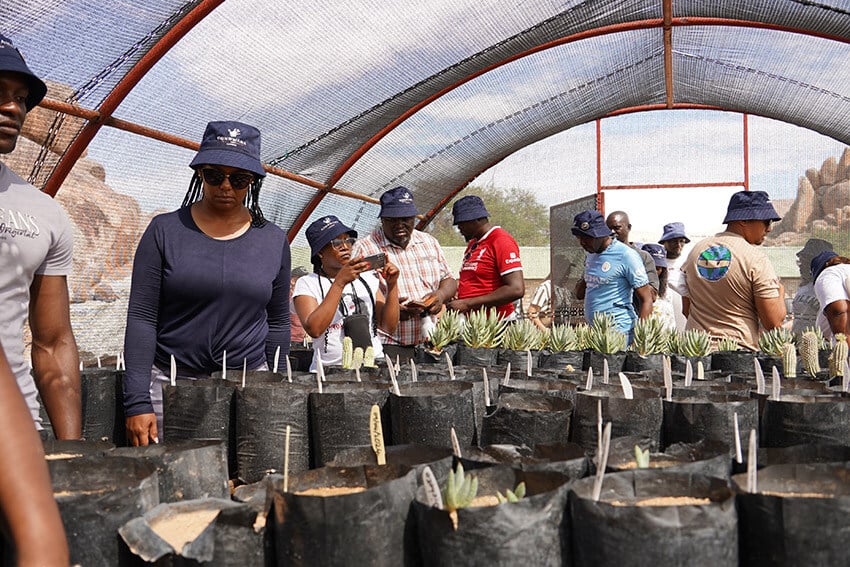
(600, 472)
(357, 373)
(598, 431)
(320, 368)
(455, 443)
(276, 358)
(507, 375)
(376, 434)
(689, 373)
(81, 365)
(486, 387)
(98, 362)
(397, 363)
(628, 392)
(668, 382)
(589, 384)
(667, 370)
(391, 370)
(759, 376)
(450, 366)
(319, 381)
(433, 496)
(528, 363)
(605, 371)
(845, 380)
(288, 370)
(244, 370)
(739, 457)
(117, 362)
(286, 459)
(413, 372)
(775, 386)
(173, 371)
(224, 365)
(752, 462)
(700, 370)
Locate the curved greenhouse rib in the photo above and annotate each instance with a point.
(605, 30)
(122, 89)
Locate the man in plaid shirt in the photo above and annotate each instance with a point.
(425, 280)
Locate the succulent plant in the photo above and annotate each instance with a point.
(691, 343)
(483, 329)
(823, 344)
(809, 347)
(771, 342)
(838, 355)
(604, 336)
(347, 352)
(460, 489)
(582, 334)
(789, 360)
(447, 330)
(514, 495)
(562, 338)
(357, 358)
(727, 344)
(650, 336)
(523, 335)
(641, 457)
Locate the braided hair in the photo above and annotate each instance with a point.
(252, 199)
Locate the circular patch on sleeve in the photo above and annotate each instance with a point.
(713, 264)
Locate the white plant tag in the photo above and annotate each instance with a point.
(376, 434)
(81, 365)
(739, 457)
(589, 384)
(276, 358)
(320, 367)
(507, 375)
(357, 373)
(628, 392)
(605, 371)
(668, 381)
(455, 443)
(598, 431)
(288, 370)
(528, 363)
(224, 365)
(689, 374)
(433, 495)
(244, 370)
(173, 373)
(759, 376)
(700, 370)
(319, 381)
(775, 385)
(752, 463)
(391, 370)
(286, 459)
(667, 370)
(98, 362)
(413, 373)
(486, 387)
(450, 366)
(845, 380)
(397, 363)
(117, 362)
(603, 462)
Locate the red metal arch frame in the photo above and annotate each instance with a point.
(667, 23)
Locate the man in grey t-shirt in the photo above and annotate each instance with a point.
(36, 245)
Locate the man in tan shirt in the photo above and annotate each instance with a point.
(730, 286)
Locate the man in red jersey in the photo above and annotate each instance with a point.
(491, 273)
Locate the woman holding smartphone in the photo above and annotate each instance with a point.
(342, 297)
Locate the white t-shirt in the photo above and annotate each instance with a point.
(328, 345)
(35, 238)
(831, 285)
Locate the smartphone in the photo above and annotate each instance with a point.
(376, 261)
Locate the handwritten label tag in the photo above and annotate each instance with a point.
(433, 495)
(450, 366)
(376, 433)
(605, 371)
(455, 444)
(528, 363)
(628, 392)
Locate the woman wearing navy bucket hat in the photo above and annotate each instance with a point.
(342, 297)
(209, 278)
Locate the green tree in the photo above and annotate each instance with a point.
(515, 210)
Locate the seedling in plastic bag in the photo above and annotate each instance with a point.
(641, 457)
(460, 491)
(514, 495)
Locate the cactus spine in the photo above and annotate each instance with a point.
(789, 360)
(838, 356)
(809, 345)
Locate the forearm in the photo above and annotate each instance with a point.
(316, 322)
(57, 376)
(389, 315)
(447, 289)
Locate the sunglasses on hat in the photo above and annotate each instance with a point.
(238, 180)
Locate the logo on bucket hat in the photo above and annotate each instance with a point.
(590, 224)
(397, 203)
(322, 231)
(232, 144)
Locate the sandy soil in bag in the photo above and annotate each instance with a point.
(58, 456)
(179, 529)
(796, 494)
(481, 501)
(664, 501)
(331, 491)
(629, 465)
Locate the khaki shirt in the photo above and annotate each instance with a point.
(723, 275)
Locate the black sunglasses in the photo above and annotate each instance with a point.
(215, 177)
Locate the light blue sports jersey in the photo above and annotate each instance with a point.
(611, 277)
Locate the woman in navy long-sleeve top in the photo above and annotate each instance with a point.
(210, 277)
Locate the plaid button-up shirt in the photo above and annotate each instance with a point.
(422, 266)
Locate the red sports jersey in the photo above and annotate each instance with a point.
(485, 261)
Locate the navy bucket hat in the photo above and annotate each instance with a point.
(398, 203)
(232, 144)
(469, 208)
(11, 60)
(813, 247)
(819, 262)
(673, 230)
(590, 224)
(658, 253)
(750, 205)
(322, 231)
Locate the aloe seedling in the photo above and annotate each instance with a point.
(604, 337)
(693, 343)
(460, 490)
(447, 330)
(562, 338)
(727, 344)
(514, 495)
(771, 342)
(649, 336)
(523, 335)
(641, 457)
(483, 329)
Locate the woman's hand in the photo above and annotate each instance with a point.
(351, 271)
